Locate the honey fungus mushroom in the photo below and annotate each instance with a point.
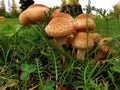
(60, 29)
(95, 36)
(33, 14)
(82, 44)
(84, 21)
(104, 48)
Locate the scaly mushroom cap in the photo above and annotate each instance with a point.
(60, 27)
(81, 25)
(33, 14)
(106, 48)
(80, 41)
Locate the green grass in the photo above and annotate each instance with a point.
(29, 60)
(8, 22)
(113, 27)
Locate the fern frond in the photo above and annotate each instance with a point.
(40, 70)
(85, 73)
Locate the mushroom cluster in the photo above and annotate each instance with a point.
(76, 32)
(69, 31)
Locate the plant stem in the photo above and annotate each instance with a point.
(56, 72)
(7, 56)
(38, 70)
(23, 88)
(86, 81)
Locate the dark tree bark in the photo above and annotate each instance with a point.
(72, 7)
(2, 8)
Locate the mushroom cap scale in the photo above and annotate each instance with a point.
(81, 42)
(81, 25)
(60, 27)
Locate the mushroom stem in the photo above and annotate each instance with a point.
(59, 41)
(80, 55)
(66, 40)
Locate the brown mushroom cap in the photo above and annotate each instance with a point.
(106, 48)
(2, 18)
(60, 27)
(54, 13)
(36, 5)
(80, 41)
(95, 36)
(33, 14)
(23, 18)
(57, 13)
(65, 15)
(81, 25)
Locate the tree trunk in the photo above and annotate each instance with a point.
(71, 7)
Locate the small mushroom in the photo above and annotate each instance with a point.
(84, 21)
(104, 48)
(95, 36)
(2, 18)
(60, 29)
(33, 14)
(82, 44)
